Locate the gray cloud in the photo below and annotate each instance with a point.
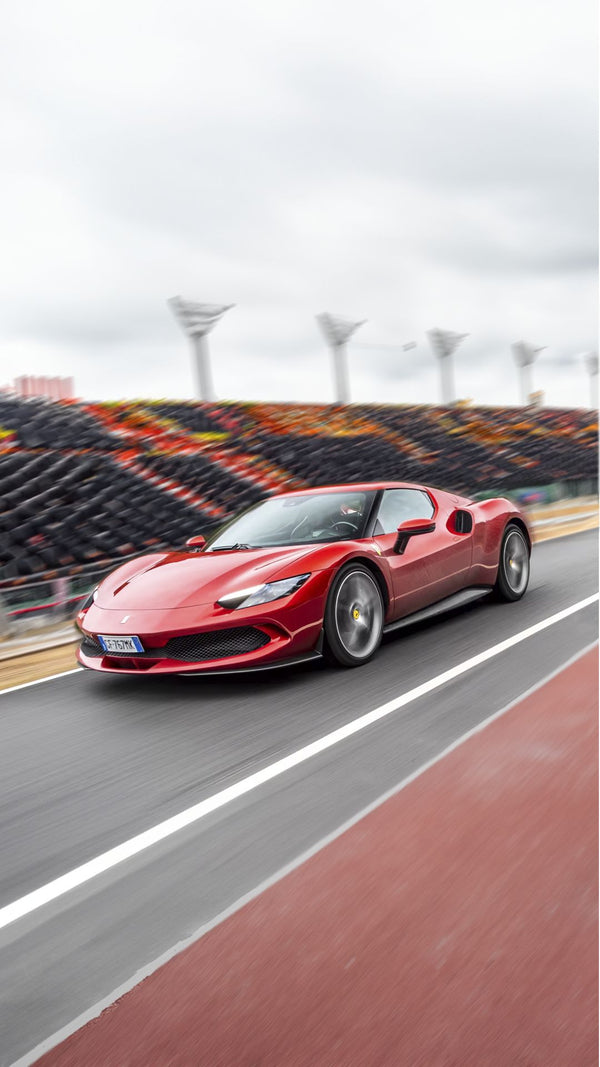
(431, 166)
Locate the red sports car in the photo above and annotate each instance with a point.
(322, 572)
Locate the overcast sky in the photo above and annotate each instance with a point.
(413, 164)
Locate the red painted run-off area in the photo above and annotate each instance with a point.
(456, 925)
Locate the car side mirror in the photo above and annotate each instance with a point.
(409, 529)
(197, 542)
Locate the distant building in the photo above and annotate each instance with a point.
(51, 388)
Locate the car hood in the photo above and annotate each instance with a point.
(188, 579)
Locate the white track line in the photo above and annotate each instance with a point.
(38, 681)
(87, 871)
(86, 1016)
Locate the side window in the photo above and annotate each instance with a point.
(398, 505)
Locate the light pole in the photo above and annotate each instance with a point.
(337, 332)
(444, 344)
(591, 363)
(197, 320)
(525, 356)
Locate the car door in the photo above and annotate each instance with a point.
(433, 565)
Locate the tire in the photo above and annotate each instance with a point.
(353, 617)
(513, 565)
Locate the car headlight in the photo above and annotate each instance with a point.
(262, 594)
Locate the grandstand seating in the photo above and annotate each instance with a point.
(63, 511)
(83, 484)
(38, 423)
(204, 478)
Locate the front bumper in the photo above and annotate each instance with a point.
(217, 646)
(206, 669)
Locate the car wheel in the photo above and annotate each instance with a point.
(353, 617)
(513, 567)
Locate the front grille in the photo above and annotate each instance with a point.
(193, 648)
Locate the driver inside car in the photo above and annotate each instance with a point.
(322, 519)
(346, 518)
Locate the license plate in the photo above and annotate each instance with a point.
(120, 644)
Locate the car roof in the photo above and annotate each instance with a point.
(352, 487)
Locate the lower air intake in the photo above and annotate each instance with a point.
(90, 647)
(216, 645)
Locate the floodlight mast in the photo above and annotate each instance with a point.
(337, 332)
(197, 320)
(591, 364)
(525, 356)
(444, 343)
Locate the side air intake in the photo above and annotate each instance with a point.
(463, 522)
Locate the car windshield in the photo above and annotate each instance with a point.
(298, 520)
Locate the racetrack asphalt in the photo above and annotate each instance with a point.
(454, 925)
(88, 761)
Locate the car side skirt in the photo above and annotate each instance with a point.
(449, 603)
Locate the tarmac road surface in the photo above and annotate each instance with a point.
(88, 762)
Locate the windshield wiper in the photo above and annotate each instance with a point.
(228, 548)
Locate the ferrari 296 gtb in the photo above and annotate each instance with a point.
(307, 574)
